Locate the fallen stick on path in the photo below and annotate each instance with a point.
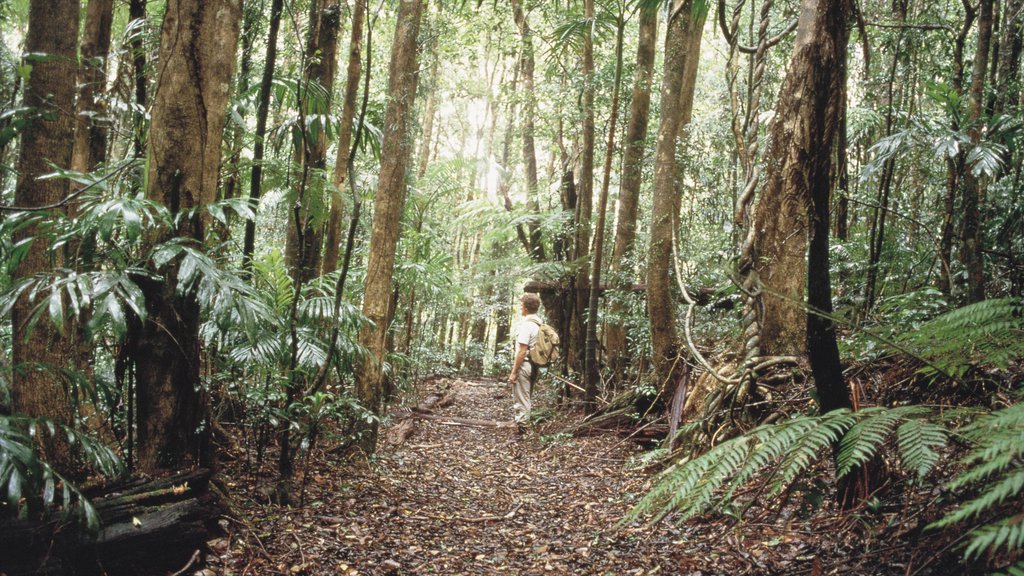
(490, 518)
(456, 421)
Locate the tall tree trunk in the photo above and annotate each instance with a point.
(259, 146)
(39, 352)
(137, 13)
(526, 72)
(250, 17)
(306, 226)
(1008, 74)
(802, 140)
(387, 213)
(584, 204)
(198, 39)
(345, 125)
(591, 360)
(779, 249)
(90, 150)
(91, 126)
(954, 165)
(629, 188)
(972, 246)
(429, 111)
(687, 22)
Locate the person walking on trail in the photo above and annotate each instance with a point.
(524, 373)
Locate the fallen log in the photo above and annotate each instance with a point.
(147, 527)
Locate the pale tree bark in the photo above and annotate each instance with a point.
(198, 39)
(345, 125)
(306, 224)
(387, 214)
(526, 72)
(40, 351)
(629, 189)
(682, 42)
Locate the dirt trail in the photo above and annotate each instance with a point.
(465, 500)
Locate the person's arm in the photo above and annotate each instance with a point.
(518, 363)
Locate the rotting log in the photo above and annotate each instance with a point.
(147, 527)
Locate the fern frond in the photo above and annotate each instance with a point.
(993, 495)
(1006, 535)
(919, 443)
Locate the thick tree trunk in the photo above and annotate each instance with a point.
(629, 189)
(91, 125)
(345, 125)
(306, 225)
(808, 115)
(39, 352)
(259, 146)
(387, 213)
(197, 57)
(686, 24)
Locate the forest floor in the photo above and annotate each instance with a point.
(459, 499)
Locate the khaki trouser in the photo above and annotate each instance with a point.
(521, 390)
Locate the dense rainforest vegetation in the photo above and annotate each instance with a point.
(782, 242)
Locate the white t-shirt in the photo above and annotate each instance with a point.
(526, 332)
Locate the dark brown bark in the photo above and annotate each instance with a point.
(91, 125)
(1008, 70)
(137, 13)
(345, 125)
(197, 58)
(632, 172)
(40, 351)
(972, 245)
(686, 24)
(304, 248)
(262, 111)
(388, 206)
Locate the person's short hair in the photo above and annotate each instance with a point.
(531, 302)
